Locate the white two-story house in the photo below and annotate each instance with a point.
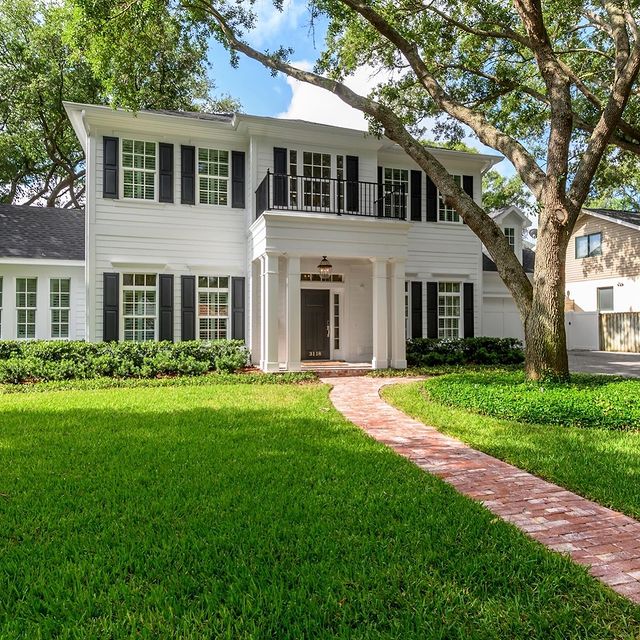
(310, 242)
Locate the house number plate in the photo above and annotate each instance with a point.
(314, 354)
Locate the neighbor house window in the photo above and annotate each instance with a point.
(510, 234)
(316, 186)
(588, 246)
(26, 302)
(396, 188)
(448, 309)
(139, 306)
(605, 298)
(213, 176)
(139, 169)
(213, 307)
(59, 303)
(445, 212)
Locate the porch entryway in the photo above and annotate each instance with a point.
(315, 324)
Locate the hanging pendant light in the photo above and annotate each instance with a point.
(324, 268)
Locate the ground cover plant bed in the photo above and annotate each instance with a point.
(246, 511)
(598, 463)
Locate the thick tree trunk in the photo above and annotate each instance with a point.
(545, 337)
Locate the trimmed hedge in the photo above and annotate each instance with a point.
(585, 401)
(41, 360)
(427, 352)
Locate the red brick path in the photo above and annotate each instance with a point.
(606, 541)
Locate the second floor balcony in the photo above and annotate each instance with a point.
(303, 194)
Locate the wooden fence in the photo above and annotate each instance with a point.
(620, 331)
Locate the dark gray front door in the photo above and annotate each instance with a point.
(315, 324)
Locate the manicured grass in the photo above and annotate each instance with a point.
(600, 464)
(256, 512)
(585, 401)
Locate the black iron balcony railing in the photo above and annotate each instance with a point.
(279, 192)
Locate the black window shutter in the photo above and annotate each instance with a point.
(468, 309)
(165, 167)
(380, 194)
(110, 307)
(237, 308)
(416, 195)
(237, 179)
(188, 304)
(279, 179)
(416, 309)
(432, 309)
(432, 201)
(467, 186)
(109, 167)
(352, 183)
(165, 307)
(187, 175)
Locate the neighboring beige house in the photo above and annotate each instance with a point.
(603, 262)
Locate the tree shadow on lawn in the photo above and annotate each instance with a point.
(261, 523)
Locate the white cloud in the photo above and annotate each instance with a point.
(318, 105)
(270, 21)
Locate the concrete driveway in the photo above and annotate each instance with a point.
(621, 364)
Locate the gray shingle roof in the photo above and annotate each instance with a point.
(631, 217)
(528, 261)
(41, 232)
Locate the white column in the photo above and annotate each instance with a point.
(398, 339)
(380, 313)
(269, 356)
(293, 314)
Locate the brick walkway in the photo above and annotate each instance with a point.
(606, 541)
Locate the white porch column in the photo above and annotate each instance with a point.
(398, 340)
(293, 314)
(380, 312)
(269, 331)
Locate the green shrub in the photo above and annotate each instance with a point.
(585, 401)
(39, 360)
(427, 352)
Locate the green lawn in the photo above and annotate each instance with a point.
(256, 512)
(601, 464)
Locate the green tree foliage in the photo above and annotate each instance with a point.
(499, 192)
(49, 53)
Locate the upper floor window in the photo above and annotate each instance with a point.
(588, 246)
(26, 303)
(139, 169)
(213, 176)
(213, 307)
(510, 234)
(316, 186)
(139, 306)
(396, 188)
(445, 212)
(449, 295)
(59, 302)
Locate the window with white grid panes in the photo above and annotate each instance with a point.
(213, 176)
(407, 310)
(139, 306)
(60, 304)
(445, 212)
(213, 307)
(336, 320)
(293, 180)
(138, 169)
(449, 309)
(510, 234)
(396, 188)
(316, 186)
(26, 303)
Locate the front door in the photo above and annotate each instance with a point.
(315, 324)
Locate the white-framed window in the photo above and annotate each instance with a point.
(0, 306)
(589, 246)
(510, 234)
(396, 189)
(139, 306)
(445, 212)
(213, 176)
(293, 180)
(26, 304)
(316, 277)
(407, 309)
(213, 307)
(316, 184)
(138, 169)
(60, 304)
(336, 321)
(449, 297)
